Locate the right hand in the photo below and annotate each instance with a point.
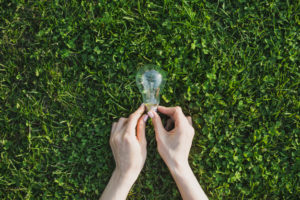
(174, 145)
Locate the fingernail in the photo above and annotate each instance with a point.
(145, 118)
(154, 109)
(150, 114)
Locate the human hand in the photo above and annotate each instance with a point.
(174, 145)
(128, 143)
(174, 148)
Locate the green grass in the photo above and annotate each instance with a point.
(67, 71)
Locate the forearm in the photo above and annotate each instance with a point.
(117, 188)
(187, 183)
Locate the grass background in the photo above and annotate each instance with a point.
(67, 71)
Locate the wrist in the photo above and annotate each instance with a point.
(179, 169)
(124, 178)
(187, 182)
(118, 187)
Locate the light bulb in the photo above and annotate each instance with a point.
(151, 80)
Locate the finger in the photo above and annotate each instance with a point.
(189, 118)
(140, 129)
(174, 112)
(134, 117)
(169, 124)
(157, 123)
(122, 121)
(166, 110)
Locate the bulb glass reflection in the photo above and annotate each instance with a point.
(151, 80)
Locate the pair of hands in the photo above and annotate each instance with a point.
(129, 145)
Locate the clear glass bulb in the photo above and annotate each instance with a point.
(151, 80)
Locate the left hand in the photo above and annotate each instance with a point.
(128, 143)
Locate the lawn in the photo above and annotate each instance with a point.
(67, 72)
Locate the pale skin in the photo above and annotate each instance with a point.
(129, 147)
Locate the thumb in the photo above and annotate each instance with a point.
(157, 123)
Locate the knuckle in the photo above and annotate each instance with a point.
(117, 140)
(178, 109)
(131, 116)
(122, 119)
(128, 130)
(112, 140)
(126, 138)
